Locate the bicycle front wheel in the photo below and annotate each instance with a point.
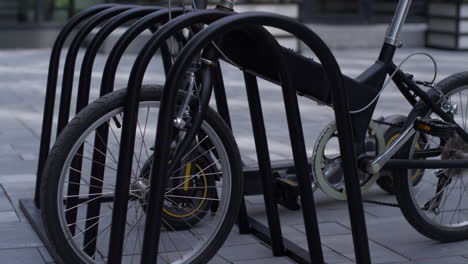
(202, 198)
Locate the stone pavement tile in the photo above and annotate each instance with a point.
(382, 211)
(10, 123)
(12, 157)
(5, 202)
(18, 235)
(235, 239)
(17, 167)
(218, 260)
(282, 260)
(292, 234)
(26, 150)
(21, 256)
(402, 238)
(29, 156)
(330, 255)
(327, 229)
(340, 216)
(447, 260)
(245, 252)
(18, 135)
(5, 148)
(45, 255)
(8, 217)
(343, 245)
(19, 186)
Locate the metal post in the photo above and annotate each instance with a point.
(65, 104)
(153, 217)
(113, 60)
(223, 111)
(264, 163)
(100, 141)
(301, 164)
(335, 77)
(52, 88)
(69, 69)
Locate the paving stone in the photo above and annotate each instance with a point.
(382, 211)
(8, 217)
(343, 245)
(21, 256)
(45, 255)
(245, 252)
(409, 243)
(282, 260)
(17, 167)
(328, 229)
(5, 202)
(20, 186)
(448, 260)
(235, 239)
(18, 135)
(218, 260)
(18, 235)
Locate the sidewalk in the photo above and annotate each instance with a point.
(22, 85)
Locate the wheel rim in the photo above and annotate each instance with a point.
(176, 246)
(447, 206)
(335, 189)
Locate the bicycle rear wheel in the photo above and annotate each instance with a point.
(204, 199)
(438, 205)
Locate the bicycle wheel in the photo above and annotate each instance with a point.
(326, 161)
(183, 213)
(438, 206)
(84, 238)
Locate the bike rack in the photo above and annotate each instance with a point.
(164, 130)
(221, 23)
(110, 16)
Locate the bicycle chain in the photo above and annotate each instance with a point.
(387, 123)
(381, 203)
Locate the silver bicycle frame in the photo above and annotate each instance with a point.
(398, 21)
(377, 164)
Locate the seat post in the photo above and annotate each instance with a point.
(398, 21)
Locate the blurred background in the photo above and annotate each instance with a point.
(34, 23)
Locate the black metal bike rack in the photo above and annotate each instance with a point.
(109, 17)
(194, 47)
(221, 24)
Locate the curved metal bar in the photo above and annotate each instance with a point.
(130, 121)
(341, 108)
(65, 103)
(101, 138)
(69, 70)
(113, 60)
(46, 131)
(100, 145)
(93, 49)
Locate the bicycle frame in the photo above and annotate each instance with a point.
(409, 89)
(365, 88)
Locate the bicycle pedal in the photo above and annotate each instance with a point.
(434, 127)
(288, 192)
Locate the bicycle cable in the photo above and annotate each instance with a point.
(387, 82)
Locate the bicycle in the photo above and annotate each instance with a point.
(192, 70)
